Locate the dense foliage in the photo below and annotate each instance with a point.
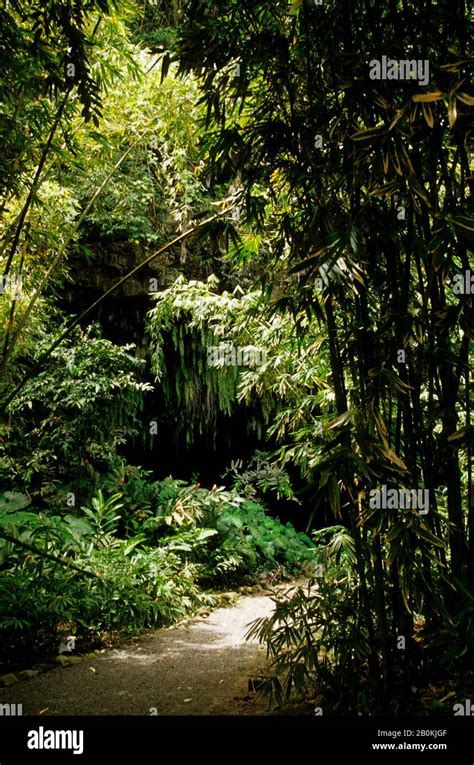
(297, 237)
(138, 558)
(363, 186)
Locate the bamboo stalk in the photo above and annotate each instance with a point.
(55, 558)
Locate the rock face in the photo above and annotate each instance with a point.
(112, 261)
(122, 314)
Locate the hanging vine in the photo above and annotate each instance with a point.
(215, 351)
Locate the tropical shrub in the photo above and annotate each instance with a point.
(79, 578)
(104, 569)
(68, 421)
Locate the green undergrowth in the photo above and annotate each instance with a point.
(142, 557)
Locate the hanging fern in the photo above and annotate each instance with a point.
(191, 317)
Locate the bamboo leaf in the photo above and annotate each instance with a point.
(435, 95)
(397, 117)
(394, 458)
(428, 115)
(428, 535)
(465, 98)
(369, 134)
(452, 112)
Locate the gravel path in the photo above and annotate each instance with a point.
(201, 667)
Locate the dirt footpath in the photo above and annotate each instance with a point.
(201, 667)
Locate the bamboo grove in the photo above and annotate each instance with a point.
(369, 185)
(294, 202)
